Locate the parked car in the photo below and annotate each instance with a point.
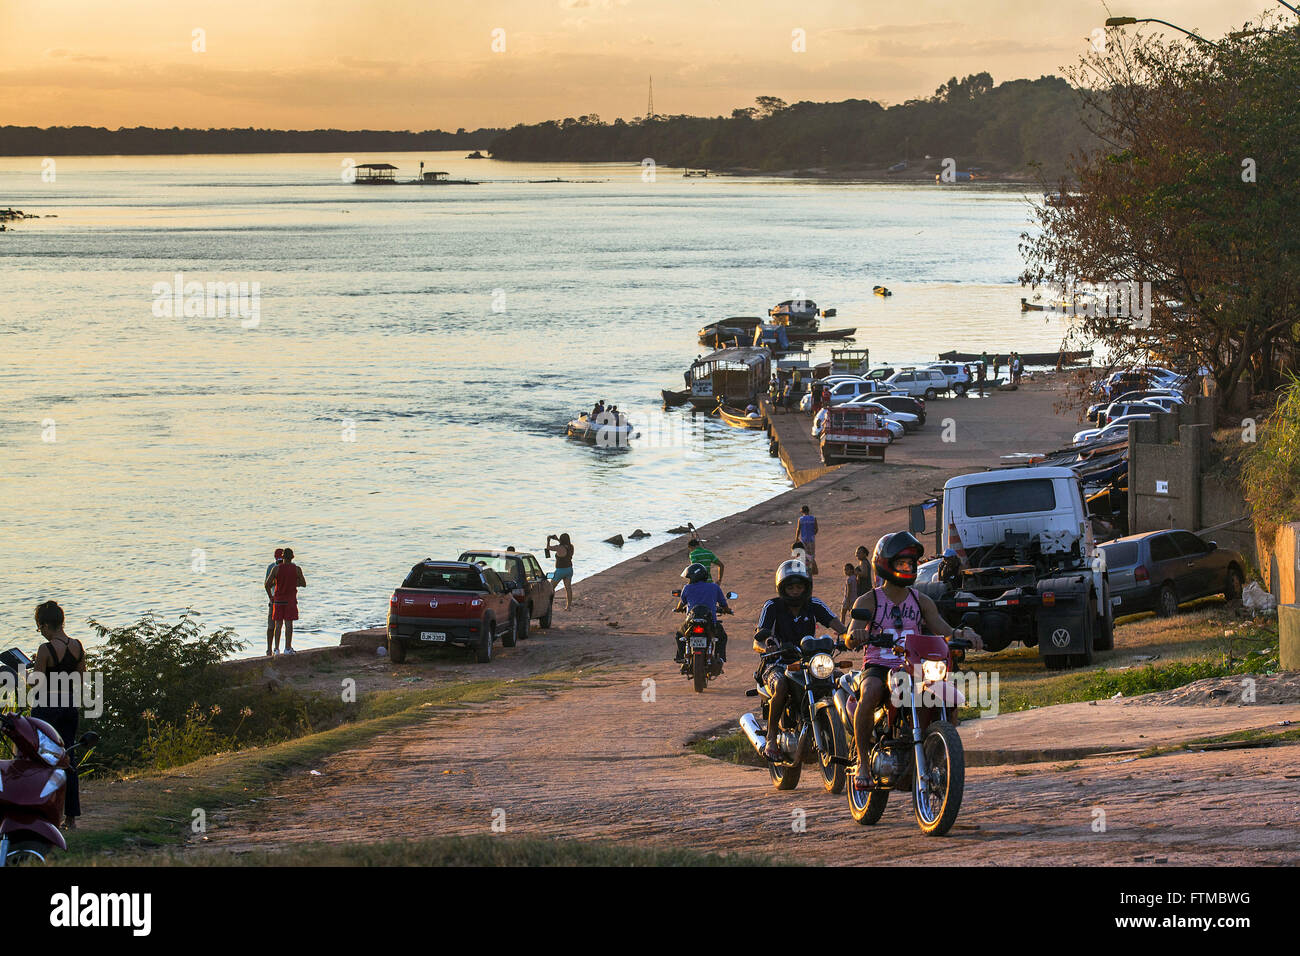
(533, 591)
(924, 382)
(1139, 395)
(451, 602)
(1117, 410)
(1159, 570)
(1115, 430)
(881, 373)
(844, 391)
(908, 420)
(903, 403)
(957, 376)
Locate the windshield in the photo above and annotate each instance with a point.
(1010, 497)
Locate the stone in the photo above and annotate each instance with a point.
(638, 534)
(617, 540)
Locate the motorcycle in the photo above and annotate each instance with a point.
(701, 633)
(932, 764)
(32, 788)
(810, 715)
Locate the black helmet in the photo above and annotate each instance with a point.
(900, 544)
(793, 570)
(695, 573)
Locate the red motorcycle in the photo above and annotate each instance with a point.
(931, 763)
(32, 787)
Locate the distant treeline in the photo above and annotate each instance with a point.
(1008, 128)
(143, 140)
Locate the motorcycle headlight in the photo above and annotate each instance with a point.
(934, 670)
(822, 666)
(48, 749)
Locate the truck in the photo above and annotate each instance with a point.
(451, 602)
(853, 434)
(1017, 550)
(522, 573)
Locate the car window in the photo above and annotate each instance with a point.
(1163, 548)
(1123, 554)
(1010, 497)
(534, 569)
(494, 583)
(443, 579)
(1189, 543)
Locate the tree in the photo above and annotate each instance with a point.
(1191, 190)
(769, 105)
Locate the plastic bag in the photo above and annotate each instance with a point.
(1256, 599)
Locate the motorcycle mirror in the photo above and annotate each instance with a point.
(90, 738)
(861, 614)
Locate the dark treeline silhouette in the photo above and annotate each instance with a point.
(1006, 128)
(143, 140)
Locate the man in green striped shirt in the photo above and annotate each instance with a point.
(702, 555)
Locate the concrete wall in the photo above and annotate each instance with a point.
(1280, 563)
(1168, 485)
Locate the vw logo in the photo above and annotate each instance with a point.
(1060, 637)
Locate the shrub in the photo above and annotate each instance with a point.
(1271, 470)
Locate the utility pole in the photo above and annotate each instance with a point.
(650, 103)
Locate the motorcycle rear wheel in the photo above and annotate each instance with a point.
(866, 806)
(28, 853)
(936, 809)
(700, 672)
(833, 733)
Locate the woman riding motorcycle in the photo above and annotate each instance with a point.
(895, 606)
(700, 590)
(787, 619)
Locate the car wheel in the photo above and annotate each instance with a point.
(396, 650)
(544, 622)
(1233, 589)
(511, 637)
(1166, 601)
(931, 394)
(960, 389)
(483, 651)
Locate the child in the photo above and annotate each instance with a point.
(850, 593)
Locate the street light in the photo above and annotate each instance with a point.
(1125, 21)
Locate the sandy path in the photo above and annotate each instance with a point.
(598, 761)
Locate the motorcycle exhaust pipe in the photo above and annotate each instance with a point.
(749, 724)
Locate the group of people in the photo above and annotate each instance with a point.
(1015, 367)
(609, 415)
(786, 395)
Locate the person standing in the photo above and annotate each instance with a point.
(282, 586)
(850, 593)
(997, 364)
(980, 373)
(702, 555)
(563, 549)
(807, 526)
(270, 604)
(58, 659)
(865, 580)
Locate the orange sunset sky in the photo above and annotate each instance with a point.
(424, 64)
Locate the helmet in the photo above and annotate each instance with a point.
(890, 548)
(793, 570)
(696, 573)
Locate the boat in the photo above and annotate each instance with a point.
(585, 429)
(737, 330)
(731, 376)
(881, 291)
(799, 314)
(741, 419)
(1080, 304)
(897, 167)
(825, 335)
(476, 155)
(673, 399)
(1028, 358)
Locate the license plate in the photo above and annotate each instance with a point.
(433, 636)
(699, 642)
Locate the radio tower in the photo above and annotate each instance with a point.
(650, 103)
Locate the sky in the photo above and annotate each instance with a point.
(432, 64)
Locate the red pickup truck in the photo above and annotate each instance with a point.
(451, 602)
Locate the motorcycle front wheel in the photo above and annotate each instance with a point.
(937, 798)
(785, 776)
(832, 731)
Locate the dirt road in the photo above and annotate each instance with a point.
(606, 758)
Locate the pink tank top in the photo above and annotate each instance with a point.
(907, 621)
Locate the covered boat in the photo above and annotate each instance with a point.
(735, 331)
(731, 376)
(799, 314)
(1028, 358)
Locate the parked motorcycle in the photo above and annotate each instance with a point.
(701, 633)
(931, 764)
(810, 715)
(32, 787)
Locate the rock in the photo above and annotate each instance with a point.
(680, 529)
(617, 540)
(638, 534)
(381, 651)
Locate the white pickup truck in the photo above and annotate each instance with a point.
(1018, 551)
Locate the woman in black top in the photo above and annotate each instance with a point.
(60, 654)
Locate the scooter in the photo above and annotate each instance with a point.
(32, 789)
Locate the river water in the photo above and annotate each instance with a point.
(398, 388)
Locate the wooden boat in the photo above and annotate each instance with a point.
(738, 418)
(799, 314)
(736, 331)
(584, 429)
(826, 335)
(735, 376)
(881, 291)
(673, 399)
(1028, 358)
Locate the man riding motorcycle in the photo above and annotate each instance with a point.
(701, 591)
(787, 619)
(894, 605)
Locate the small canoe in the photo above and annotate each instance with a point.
(1028, 358)
(738, 418)
(881, 291)
(673, 399)
(827, 335)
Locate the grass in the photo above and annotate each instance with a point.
(484, 850)
(155, 809)
(732, 748)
